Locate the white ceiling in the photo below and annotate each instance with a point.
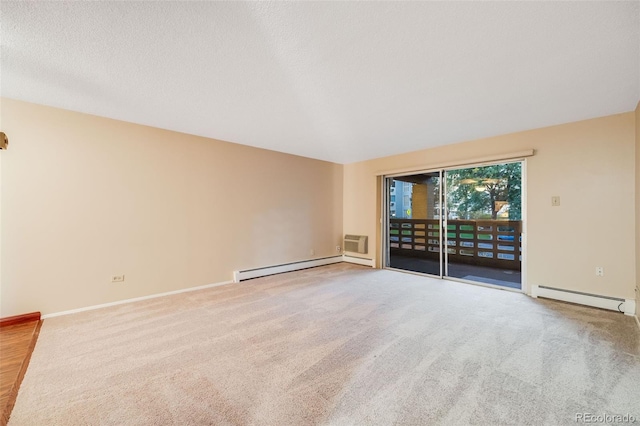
(338, 81)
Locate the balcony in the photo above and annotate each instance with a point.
(488, 251)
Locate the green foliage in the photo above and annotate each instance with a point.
(501, 182)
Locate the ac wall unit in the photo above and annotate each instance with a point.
(356, 243)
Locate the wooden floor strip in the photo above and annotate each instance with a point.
(20, 319)
(17, 342)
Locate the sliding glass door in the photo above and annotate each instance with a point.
(473, 212)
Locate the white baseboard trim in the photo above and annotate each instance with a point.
(135, 299)
(627, 306)
(287, 267)
(359, 260)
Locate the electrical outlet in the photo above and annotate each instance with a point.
(600, 271)
(312, 252)
(117, 278)
(555, 200)
(338, 249)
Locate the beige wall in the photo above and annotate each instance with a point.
(637, 123)
(589, 164)
(85, 198)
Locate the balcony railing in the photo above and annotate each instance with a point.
(493, 243)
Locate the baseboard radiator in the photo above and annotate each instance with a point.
(359, 260)
(626, 306)
(248, 274)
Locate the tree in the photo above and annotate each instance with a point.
(473, 192)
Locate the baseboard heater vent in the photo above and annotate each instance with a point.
(356, 243)
(626, 306)
(248, 274)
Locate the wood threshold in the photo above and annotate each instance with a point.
(19, 319)
(12, 375)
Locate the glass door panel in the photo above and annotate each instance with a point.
(484, 224)
(414, 223)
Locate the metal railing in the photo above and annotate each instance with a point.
(493, 243)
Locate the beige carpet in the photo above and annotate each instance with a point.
(335, 345)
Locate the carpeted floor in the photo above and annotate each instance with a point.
(335, 345)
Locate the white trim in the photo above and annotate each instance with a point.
(288, 267)
(420, 274)
(627, 306)
(384, 221)
(513, 156)
(135, 299)
(534, 291)
(481, 284)
(359, 260)
(443, 237)
(637, 310)
(524, 232)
